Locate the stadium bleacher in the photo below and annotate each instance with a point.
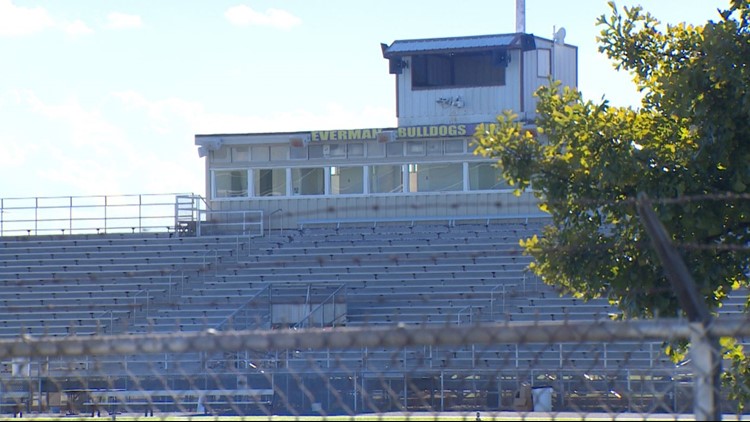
(384, 274)
(319, 276)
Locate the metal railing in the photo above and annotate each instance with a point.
(145, 307)
(230, 321)
(411, 220)
(281, 222)
(318, 310)
(246, 222)
(212, 253)
(107, 329)
(87, 214)
(504, 288)
(467, 311)
(176, 289)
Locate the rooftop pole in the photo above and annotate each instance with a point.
(520, 16)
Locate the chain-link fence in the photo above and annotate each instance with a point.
(489, 370)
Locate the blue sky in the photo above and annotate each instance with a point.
(104, 97)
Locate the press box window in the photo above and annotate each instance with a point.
(434, 147)
(485, 68)
(298, 153)
(308, 181)
(232, 155)
(394, 149)
(543, 63)
(454, 146)
(240, 154)
(222, 155)
(279, 152)
(375, 149)
(485, 176)
(230, 183)
(346, 180)
(386, 179)
(316, 151)
(415, 148)
(437, 177)
(269, 182)
(337, 150)
(356, 150)
(259, 153)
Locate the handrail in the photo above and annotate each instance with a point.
(323, 302)
(208, 206)
(232, 222)
(135, 303)
(450, 220)
(180, 284)
(87, 214)
(237, 248)
(111, 320)
(243, 306)
(281, 223)
(461, 311)
(216, 257)
(492, 298)
(205, 267)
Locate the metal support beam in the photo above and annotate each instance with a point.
(704, 347)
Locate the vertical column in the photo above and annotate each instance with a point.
(705, 356)
(365, 179)
(326, 180)
(466, 176)
(288, 181)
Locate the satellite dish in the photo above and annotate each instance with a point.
(560, 36)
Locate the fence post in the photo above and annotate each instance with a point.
(704, 353)
(70, 216)
(706, 349)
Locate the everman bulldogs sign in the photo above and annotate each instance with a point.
(432, 131)
(345, 135)
(409, 132)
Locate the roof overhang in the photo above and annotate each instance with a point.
(517, 41)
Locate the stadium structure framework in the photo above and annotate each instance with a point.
(323, 229)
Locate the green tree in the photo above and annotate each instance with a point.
(687, 147)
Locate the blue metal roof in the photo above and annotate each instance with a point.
(478, 42)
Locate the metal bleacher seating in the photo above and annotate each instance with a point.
(372, 275)
(393, 273)
(58, 285)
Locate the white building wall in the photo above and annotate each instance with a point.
(301, 210)
(479, 104)
(549, 60)
(566, 64)
(526, 72)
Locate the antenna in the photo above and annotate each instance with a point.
(520, 16)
